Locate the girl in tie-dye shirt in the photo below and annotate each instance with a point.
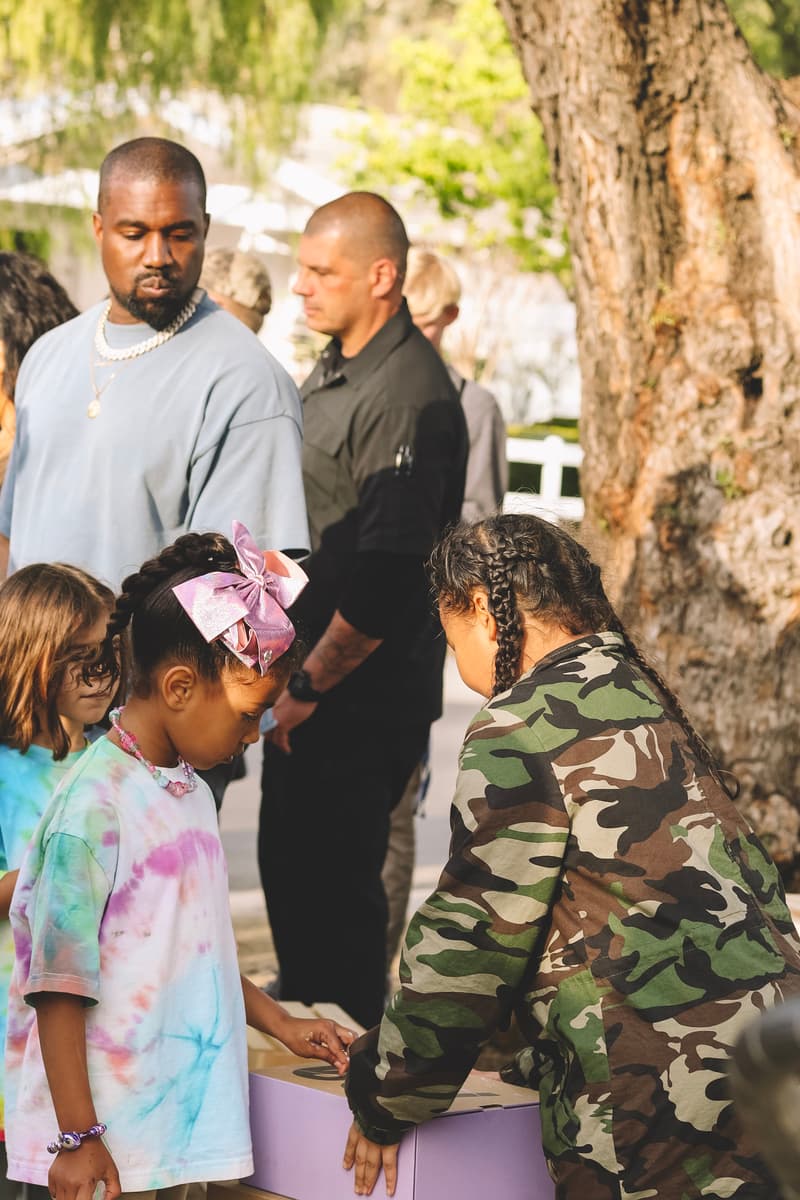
(55, 679)
(125, 950)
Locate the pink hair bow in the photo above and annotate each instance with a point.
(246, 611)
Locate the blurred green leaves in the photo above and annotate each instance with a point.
(466, 137)
(260, 52)
(772, 27)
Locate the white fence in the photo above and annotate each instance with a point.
(552, 454)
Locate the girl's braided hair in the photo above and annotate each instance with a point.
(530, 567)
(159, 626)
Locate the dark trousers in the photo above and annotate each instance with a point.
(321, 845)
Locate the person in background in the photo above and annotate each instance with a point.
(31, 302)
(601, 884)
(238, 281)
(57, 676)
(153, 413)
(383, 465)
(433, 290)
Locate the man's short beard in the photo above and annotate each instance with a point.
(158, 313)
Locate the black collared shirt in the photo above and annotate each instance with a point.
(385, 449)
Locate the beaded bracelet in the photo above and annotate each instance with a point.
(70, 1140)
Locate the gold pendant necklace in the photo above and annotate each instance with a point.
(125, 355)
(94, 407)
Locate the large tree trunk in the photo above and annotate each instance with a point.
(677, 162)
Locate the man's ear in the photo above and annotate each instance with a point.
(383, 277)
(178, 685)
(483, 615)
(97, 226)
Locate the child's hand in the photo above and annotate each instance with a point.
(75, 1174)
(317, 1038)
(369, 1157)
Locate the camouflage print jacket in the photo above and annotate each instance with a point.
(604, 886)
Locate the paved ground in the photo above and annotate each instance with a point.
(239, 824)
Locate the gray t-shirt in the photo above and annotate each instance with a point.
(205, 429)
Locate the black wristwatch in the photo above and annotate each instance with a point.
(300, 687)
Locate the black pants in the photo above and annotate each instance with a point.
(321, 845)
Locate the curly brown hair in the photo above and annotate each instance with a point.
(31, 303)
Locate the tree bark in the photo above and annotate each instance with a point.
(677, 164)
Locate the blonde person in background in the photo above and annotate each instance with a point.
(433, 290)
(238, 281)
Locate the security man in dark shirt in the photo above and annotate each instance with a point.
(384, 459)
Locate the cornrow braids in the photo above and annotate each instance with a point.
(530, 567)
(159, 627)
(526, 566)
(502, 597)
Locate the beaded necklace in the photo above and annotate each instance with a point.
(175, 787)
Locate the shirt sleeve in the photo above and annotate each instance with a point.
(380, 589)
(404, 460)
(64, 910)
(254, 475)
(475, 940)
(7, 497)
(7, 493)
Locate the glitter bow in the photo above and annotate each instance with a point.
(246, 611)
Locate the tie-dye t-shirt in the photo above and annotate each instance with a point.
(27, 783)
(123, 900)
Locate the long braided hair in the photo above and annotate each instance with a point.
(529, 567)
(159, 626)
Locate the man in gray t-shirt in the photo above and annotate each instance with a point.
(154, 413)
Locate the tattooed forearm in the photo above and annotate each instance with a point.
(339, 651)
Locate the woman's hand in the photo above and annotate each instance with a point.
(75, 1174)
(369, 1157)
(317, 1038)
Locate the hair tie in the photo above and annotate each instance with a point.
(246, 609)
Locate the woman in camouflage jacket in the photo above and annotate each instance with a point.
(601, 883)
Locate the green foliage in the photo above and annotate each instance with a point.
(772, 27)
(260, 51)
(563, 427)
(25, 241)
(724, 479)
(467, 137)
